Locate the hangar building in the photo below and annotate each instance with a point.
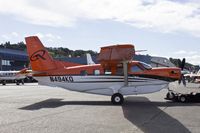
(12, 59)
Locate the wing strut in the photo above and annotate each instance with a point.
(125, 67)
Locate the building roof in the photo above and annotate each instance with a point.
(10, 54)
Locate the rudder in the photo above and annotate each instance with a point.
(39, 57)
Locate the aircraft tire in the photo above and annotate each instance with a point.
(183, 98)
(17, 83)
(22, 82)
(117, 99)
(170, 96)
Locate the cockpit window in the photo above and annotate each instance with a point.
(108, 72)
(135, 69)
(147, 66)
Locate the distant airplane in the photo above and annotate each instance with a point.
(14, 76)
(89, 59)
(193, 77)
(116, 76)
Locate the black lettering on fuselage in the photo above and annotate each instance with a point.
(61, 79)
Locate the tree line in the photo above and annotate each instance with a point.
(55, 52)
(65, 52)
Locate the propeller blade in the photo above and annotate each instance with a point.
(179, 63)
(182, 80)
(183, 64)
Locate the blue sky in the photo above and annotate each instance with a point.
(166, 28)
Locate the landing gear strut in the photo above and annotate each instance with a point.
(170, 95)
(117, 99)
(17, 82)
(3, 82)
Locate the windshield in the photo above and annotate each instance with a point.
(147, 66)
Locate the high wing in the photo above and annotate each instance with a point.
(116, 75)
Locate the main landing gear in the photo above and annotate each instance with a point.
(19, 81)
(3, 82)
(117, 99)
(170, 95)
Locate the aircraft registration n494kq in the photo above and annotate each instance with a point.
(117, 74)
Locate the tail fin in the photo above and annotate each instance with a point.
(39, 57)
(89, 59)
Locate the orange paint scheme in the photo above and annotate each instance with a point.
(48, 66)
(107, 78)
(165, 72)
(39, 55)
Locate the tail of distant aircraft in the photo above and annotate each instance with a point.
(39, 57)
(89, 59)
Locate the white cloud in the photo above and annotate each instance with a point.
(5, 37)
(16, 37)
(15, 34)
(159, 15)
(180, 52)
(192, 52)
(40, 35)
(9, 36)
(48, 37)
(183, 52)
(195, 59)
(191, 56)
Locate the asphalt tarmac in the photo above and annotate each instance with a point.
(32, 108)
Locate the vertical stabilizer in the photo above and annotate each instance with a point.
(39, 57)
(89, 59)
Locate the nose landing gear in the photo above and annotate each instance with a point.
(117, 99)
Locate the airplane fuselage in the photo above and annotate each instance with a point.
(105, 85)
(93, 79)
(11, 75)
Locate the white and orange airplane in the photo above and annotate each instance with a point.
(193, 77)
(116, 76)
(14, 76)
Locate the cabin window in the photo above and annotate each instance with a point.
(119, 71)
(108, 72)
(96, 72)
(83, 72)
(135, 69)
(146, 66)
